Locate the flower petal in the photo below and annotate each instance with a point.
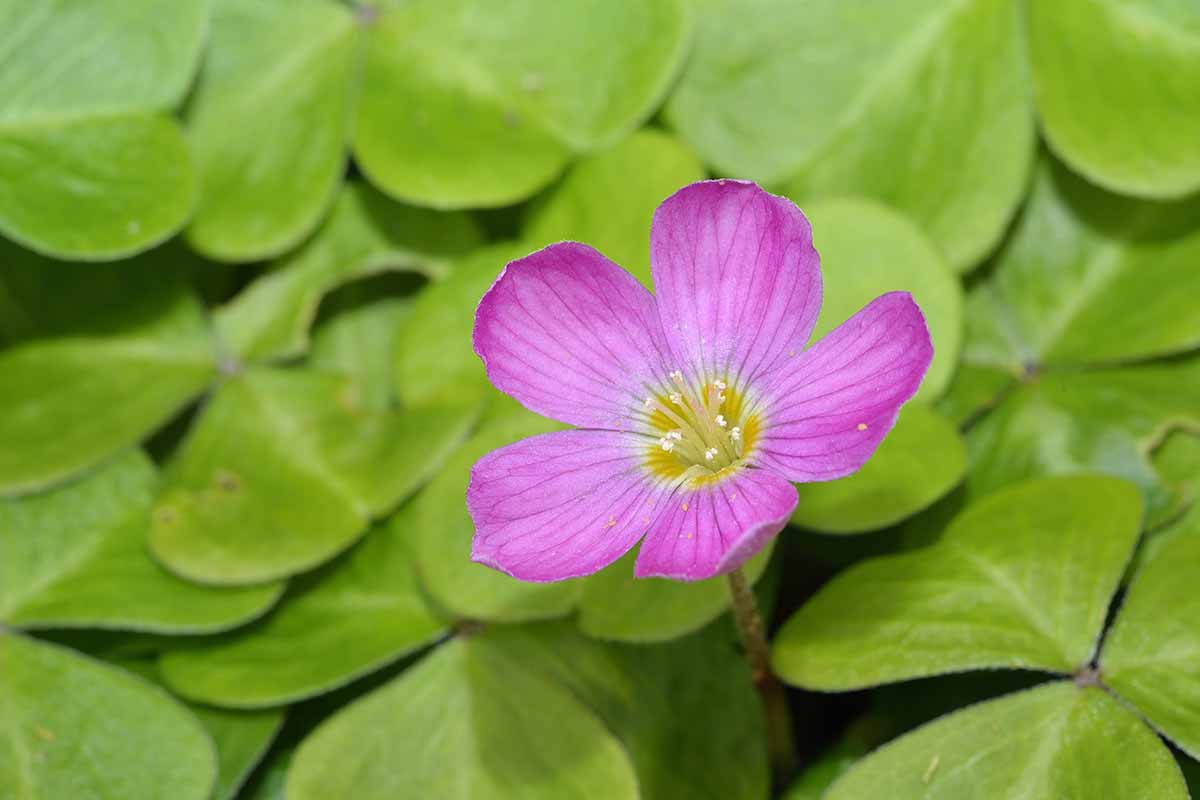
(737, 279)
(828, 411)
(571, 336)
(562, 504)
(715, 526)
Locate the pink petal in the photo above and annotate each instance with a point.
(715, 527)
(828, 411)
(572, 336)
(562, 504)
(736, 276)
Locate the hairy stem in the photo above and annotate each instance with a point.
(780, 744)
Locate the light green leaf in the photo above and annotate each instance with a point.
(607, 200)
(76, 557)
(921, 460)
(866, 250)
(94, 358)
(354, 616)
(1120, 104)
(921, 104)
(471, 720)
(442, 532)
(268, 122)
(358, 339)
(1055, 741)
(615, 605)
(81, 88)
(434, 356)
(366, 233)
(73, 727)
(242, 739)
(1089, 278)
(1151, 656)
(974, 391)
(1021, 579)
(819, 774)
(468, 103)
(284, 469)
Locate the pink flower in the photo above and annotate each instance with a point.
(697, 407)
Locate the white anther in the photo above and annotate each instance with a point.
(735, 433)
(710, 454)
(721, 397)
(676, 435)
(676, 398)
(721, 420)
(677, 375)
(666, 444)
(720, 385)
(648, 403)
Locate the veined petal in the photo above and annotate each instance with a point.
(562, 504)
(712, 527)
(571, 336)
(829, 408)
(737, 279)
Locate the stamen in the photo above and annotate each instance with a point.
(721, 386)
(735, 433)
(666, 444)
(721, 420)
(676, 435)
(676, 398)
(710, 454)
(677, 376)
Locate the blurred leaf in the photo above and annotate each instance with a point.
(974, 391)
(921, 460)
(819, 774)
(366, 233)
(1120, 104)
(1053, 741)
(615, 605)
(76, 556)
(358, 340)
(94, 358)
(352, 617)
(72, 727)
(470, 720)
(1021, 579)
(922, 105)
(442, 532)
(242, 739)
(868, 249)
(1151, 656)
(82, 89)
(269, 783)
(607, 200)
(284, 469)
(468, 103)
(434, 355)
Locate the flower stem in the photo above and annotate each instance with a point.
(780, 744)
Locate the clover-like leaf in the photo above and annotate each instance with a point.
(349, 618)
(73, 727)
(1057, 740)
(608, 199)
(242, 739)
(357, 338)
(1021, 579)
(93, 357)
(488, 727)
(1151, 657)
(76, 557)
(1119, 105)
(820, 95)
(366, 233)
(922, 459)
(83, 88)
(284, 469)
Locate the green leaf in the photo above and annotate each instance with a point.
(921, 460)
(270, 782)
(607, 200)
(122, 346)
(467, 103)
(76, 557)
(73, 727)
(482, 725)
(922, 105)
(268, 122)
(434, 356)
(242, 739)
(974, 391)
(366, 233)
(442, 532)
(80, 126)
(284, 469)
(819, 775)
(615, 605)
(868, 249)
(1021, 579)
(358, 338)
(1055, 741)
(1120, 104)
(352, 617)
(1089, 278)
(1151, 657)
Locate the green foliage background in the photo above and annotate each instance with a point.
(241, 244)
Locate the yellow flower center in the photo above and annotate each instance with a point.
(703, 430)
